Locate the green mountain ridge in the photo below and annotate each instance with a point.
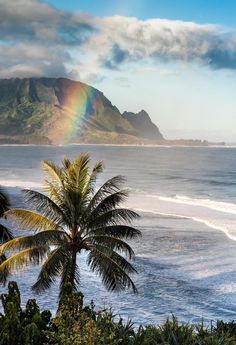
(60, 111)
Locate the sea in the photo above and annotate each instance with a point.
(186, 258)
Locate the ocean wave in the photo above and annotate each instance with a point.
(208, 223)
(220, 206)
(20, 184)
(205, 181)
(214, 214)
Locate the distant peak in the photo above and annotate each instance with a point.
(142, 122)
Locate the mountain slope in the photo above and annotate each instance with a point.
(143, 125)
(59, 110)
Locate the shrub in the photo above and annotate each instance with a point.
(17, 326)
(82, 325)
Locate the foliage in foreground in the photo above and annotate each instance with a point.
(79, 325)
(17, 326)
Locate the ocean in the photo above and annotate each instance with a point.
(186, 258)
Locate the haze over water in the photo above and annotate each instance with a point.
(186, 197)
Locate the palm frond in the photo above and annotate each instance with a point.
(118, 231)
(44, 205)
(33, 256)
(81, 162)
(110, 202)
(89, 187)
(4, 274)
(111, 243)
(54, 171)
(5, 234)
(112, 217)
(31, 220)
(77, 173)
(112, 267)
(4, 202)
(110, 186)
(48, 238)
(58, 263)
(59, 197)
(66, 163)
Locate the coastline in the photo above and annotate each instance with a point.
(225, 145)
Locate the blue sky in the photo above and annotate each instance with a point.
(202, 11)
(175, 59)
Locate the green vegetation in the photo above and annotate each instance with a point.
(74, 217)
(22, 327)
(83, 325)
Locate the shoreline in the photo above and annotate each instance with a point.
(120, 145)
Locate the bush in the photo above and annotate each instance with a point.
(22, 327)
(82, 325)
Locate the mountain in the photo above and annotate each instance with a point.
(143, 125)
(59, 110)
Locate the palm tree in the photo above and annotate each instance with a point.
(72, 217)
(5, 233)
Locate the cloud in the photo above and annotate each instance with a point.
(34, 20)
(34, 70)
(38, 39)
(158, 40)
(116, 57)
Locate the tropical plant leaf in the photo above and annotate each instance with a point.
(110, 202)
(31, 220)
(33, 256)
(44, 205)
(4, 202)
(4, 274)
(112, 267)
(59, 197)
(111, 243)
(78, 172)
(110, 186)
(113, 217)
(57, 263)
(54, 171)
(118, 231)
(5, 234)
(48, 237)
(90, 185)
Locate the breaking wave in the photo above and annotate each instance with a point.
(214, 214)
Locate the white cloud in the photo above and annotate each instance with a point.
(130, 40)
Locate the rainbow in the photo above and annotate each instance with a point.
(76, 107)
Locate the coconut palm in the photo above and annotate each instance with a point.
(72, 217)
(5, 233)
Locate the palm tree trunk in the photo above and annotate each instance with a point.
(71, 279)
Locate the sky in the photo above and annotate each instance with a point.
(175, 59)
